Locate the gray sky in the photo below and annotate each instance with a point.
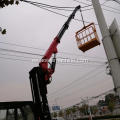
(31, 26)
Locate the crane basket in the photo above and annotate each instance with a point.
(87, 37)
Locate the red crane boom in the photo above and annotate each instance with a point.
(39, 76)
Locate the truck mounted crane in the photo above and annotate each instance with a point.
(40, 76)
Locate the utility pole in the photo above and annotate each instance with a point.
(108, 46)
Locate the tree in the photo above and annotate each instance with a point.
(55, 114)
(94, 109)
(109, 98)
(101, 103)
(73, 109)
(68, 111)
(84, 109)
(60, 113)
(3, 31)
(4, 3)
(111, 106)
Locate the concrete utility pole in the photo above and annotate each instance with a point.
(108, 46)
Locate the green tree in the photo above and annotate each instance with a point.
(111, 106)
(68, 111)
(94, 109)
(60, 113)
(110, 98)
(84, 109)
(3, 31)
(73, 109)
(55, 114)
(4, 3)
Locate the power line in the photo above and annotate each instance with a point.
(18, 56)
(56, 12)
(30, 47)
(21, 52)
(102, 5)
(18, 45)
(34, 61)
(14, 59)
(34, 54)
(47, 4)
(80, 89)
(54, 7)
(94, 97)
(44, 6)
(111, 11)
(77, 80)
(111, 7)
(83, 3)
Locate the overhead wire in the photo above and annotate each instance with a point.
(14, 59)
(18, 56)
(94, 97)
(31, 47)
(49, 6)
(18, 45)
(40, 55)
(55, 12)
(101, 5)
(43, 7)
(36, 61)
(56, 7)
(75, 81)
(21, 52)
(80, 88)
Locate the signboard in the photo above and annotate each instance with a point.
(55, 108)
(115, 35)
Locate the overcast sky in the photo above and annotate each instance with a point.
(30, 26)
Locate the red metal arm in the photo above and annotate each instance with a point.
(53, 47)
(44, 62)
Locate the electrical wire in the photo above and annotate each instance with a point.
(67, 53)
(111, 11)
(80, 89)
(18, 45)
(91, 98)
(34, 54)
(54, 7)
(63, 14)
(17, 56)
(14, 59)
(102, 5)
(21, 52)
(57, 13)
(38, 59)
(49, 6)
(75, 81)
